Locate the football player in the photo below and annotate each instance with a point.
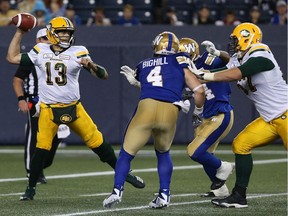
(60, 64)
(162, 79)
(217, 115)
(260, 78)
(28, 77)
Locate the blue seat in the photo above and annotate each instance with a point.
(113, 15)
(111, 4)
(140, 4)
(145, 16)
(83, 4)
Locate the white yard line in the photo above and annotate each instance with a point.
(142, 152)
(105, 173)
(172, 204)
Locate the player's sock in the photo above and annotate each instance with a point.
(243, 167)
(165, 168)
(106, 154)
(36, 166)
(122, 168)
(210, 171)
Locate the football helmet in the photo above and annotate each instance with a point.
(243, 36)
(165, 43)
(189, 46)
(60, 24)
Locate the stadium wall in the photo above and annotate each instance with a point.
(110, 103)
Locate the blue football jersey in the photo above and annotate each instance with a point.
(217, 93)
(162, 78)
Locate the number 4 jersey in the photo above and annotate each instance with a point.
(162, 78)
(59, 72)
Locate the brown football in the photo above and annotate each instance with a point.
(24, 21)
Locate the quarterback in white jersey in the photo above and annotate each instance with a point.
(62, 72)
(260, 77)
(60, 64)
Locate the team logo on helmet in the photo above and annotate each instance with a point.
(245, 33)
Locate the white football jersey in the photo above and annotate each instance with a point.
(268, 90)
(59, 73)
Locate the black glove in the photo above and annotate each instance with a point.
(187, 95)
(196, 120)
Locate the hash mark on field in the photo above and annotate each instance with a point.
(172, 204)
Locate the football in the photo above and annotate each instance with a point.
(24, 21)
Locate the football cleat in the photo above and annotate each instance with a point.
(235, 200)
(160, 201)
(29, 194)
(136, 181)
(114, 198)
(42, 179)
(224, 170)
(220, 192)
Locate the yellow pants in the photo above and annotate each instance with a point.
(155, 118)
(260, 133)
(83, 126)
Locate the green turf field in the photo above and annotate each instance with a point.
(78, 182)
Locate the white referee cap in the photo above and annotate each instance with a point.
(41, 33)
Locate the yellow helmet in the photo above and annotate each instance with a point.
(60, 24)
(243, 36)
(165, 43)
(189, 46)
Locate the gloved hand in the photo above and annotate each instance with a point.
(210, 47)
(187, 94)
(196, 120)
(130, 75)
(197, 117)
(198, 73)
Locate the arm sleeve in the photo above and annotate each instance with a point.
(256, 65)
(25, 60)
(23, 71)
(218, 69)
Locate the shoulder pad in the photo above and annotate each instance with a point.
(36, 49)
(258, 47)
(183, 59)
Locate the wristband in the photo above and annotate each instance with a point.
(208, 76)
(198, 110)
(21, 98)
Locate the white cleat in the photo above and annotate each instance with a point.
(224, 170)
(220, 192)
(162, 200)
(114, 198)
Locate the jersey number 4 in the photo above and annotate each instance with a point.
(155, 77)
(61, 79)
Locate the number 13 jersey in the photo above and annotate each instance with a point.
(59, 72)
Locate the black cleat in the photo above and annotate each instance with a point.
(218, 183)
(42, 179)
(29, 194)
(136, 181)
(235, 200)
